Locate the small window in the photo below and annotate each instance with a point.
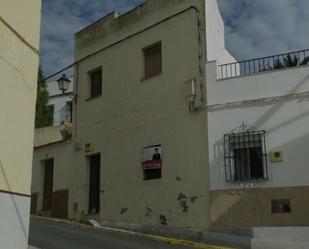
(153, 60)
(281, 206)
(69, 109)
(96, 83)
(152, 162)
(245, 156)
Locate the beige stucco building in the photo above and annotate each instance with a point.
(139, 93)
(51, 167)
(19, 44)
(170, 130)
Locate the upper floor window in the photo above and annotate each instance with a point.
(245, 156)
(95, 83)
(69, 109)
(152, 60)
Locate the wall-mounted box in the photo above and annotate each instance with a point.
(276, 156)
(88, 147)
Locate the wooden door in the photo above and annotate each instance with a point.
(48, 184)
(94, 184)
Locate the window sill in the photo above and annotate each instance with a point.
(248, 181)
(151, 77)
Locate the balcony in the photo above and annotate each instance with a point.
(264, 64)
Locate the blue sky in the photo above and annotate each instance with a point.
(254, 28)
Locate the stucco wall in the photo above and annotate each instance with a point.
(14, 210)
(215, 36)
(62, 154)
(134, 113)
(284, 119)
(252, 207)
(18, 70)
(276, 102)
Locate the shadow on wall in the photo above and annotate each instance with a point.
(14, 202)
(252, 207)
(218, 147)
(259, 123)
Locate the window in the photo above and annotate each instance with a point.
(152, 162)
(96, 83)
(245, 156)
(281, 206)
(69, 108)
(153, 60)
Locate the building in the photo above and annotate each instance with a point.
(140, 136)
(52, 157)
(51, 171)
(257, 126)
(60, 103)
(19, 56)
(170, 130)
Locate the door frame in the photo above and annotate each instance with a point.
(97, 206)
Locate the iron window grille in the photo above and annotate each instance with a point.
(245, 156)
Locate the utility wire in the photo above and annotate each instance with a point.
(121, 40)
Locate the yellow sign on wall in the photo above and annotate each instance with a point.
(276, 156)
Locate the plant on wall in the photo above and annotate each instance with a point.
(43, 113)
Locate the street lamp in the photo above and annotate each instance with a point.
(63, 83)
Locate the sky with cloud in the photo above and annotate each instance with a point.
(254, 28)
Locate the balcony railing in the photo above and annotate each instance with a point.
(264, 64)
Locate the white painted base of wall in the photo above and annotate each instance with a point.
(280, 238)
(14, 217)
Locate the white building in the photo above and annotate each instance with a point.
(60, 102)
(52, 157)
(258, 139)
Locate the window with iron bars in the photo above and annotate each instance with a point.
(245, 156)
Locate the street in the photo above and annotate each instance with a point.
(51, 235)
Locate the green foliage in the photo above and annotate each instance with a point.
(43, 113)
(290, 61)
(305, 61)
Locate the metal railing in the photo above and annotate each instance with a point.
(264, 64)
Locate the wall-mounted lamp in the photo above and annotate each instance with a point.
(64, 84)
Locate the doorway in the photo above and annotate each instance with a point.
(94, 184)
(48, 184)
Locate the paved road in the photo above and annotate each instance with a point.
(50, 235)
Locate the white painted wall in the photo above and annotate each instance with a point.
(286, 122)
(216, 50)
(14, 221)
(59, 100)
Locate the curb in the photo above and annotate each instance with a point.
(169, 240)
(271, 244)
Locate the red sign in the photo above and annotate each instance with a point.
(152, 164)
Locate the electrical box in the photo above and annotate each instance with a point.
(193, 94)
(87, 147)
(276, 156)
